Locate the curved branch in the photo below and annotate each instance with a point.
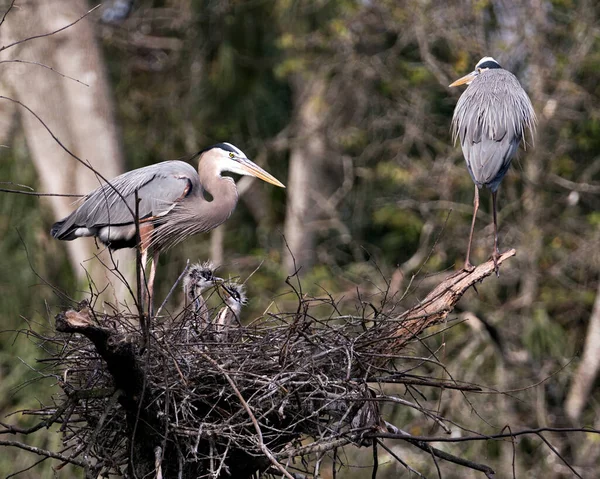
(440, 302)
(18, 42)
(45, 453)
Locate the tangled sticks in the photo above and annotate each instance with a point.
(187, 406)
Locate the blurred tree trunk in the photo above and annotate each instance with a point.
(510, 34)
(80, 116)
(588, 367)
(306, 159)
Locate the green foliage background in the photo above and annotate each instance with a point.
(388, 111)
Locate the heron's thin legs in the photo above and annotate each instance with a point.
(142, 279)
(496, 252)
(468, 265)
(151, 283)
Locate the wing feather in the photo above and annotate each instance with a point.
(159, 188)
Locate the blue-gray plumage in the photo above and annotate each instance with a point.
(490, 120)
(106, 214)
(175, 203)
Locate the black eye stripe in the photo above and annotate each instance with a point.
(488, 64)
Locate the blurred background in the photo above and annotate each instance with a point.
(347, 103)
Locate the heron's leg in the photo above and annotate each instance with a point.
(145, 232)
(142, 278)
(496, 252)
(151, 283)
(468, 265)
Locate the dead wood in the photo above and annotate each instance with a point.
(440, 302)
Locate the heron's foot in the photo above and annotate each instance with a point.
(495, 257)
(468, 267)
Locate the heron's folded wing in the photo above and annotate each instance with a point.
(159, 187)
(489, 159)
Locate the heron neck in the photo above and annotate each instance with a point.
(222, 190)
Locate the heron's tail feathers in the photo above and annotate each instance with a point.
(62, 231)
(56, 227)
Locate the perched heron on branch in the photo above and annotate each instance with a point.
(173, 203)
(235, 298)
(490, 120)
(199, 278)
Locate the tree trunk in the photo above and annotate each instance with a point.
(307, 155)
(588, 367)
(80, 116)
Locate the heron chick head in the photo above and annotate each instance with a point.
(235, 293)
(200, 277)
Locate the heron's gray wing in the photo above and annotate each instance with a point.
(489, 159)
(159, 187)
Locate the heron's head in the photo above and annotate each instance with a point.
(235, 293)
(483, 65)
(230, 158)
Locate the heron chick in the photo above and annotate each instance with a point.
(173, 204)
(234, 296)
(490, 120)
(199, 278)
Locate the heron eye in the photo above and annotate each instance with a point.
(231, 155)
(479, 70)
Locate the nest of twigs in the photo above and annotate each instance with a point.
(179, 401)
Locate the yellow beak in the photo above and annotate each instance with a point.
(254, 170)
(466, 79)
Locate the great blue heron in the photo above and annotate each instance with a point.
(235, 298)
(490, 120)
(199, 278)
(172, 206)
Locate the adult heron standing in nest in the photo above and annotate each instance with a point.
(490, 120)
(173, 204)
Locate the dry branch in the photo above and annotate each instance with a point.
(440, 302)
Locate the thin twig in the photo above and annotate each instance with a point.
(31, 193)
(553, 449)
(34, 37)
(44, 452)
(12, 3)
(522, 432)
(47, 67)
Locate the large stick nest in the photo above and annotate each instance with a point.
(178, 402)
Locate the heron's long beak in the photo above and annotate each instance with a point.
(254, 170)
(466, 79)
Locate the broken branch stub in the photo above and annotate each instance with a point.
(440, 302)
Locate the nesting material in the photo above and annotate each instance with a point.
(288, 386)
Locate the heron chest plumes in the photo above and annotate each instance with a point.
(489, 120)
(205, 208)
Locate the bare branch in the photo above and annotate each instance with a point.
(18, 42)
(12, 4)
(45, 453)
(522, 432)
(47, 67)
